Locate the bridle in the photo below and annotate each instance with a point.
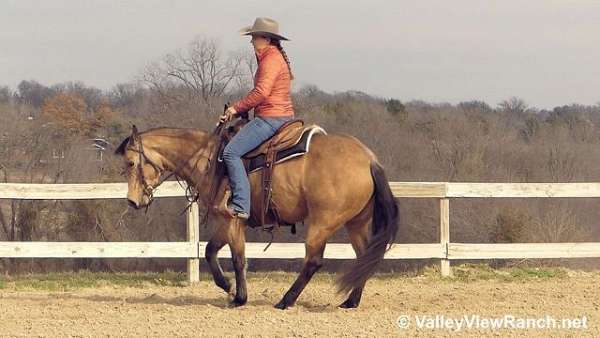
(148, 189)
(192, 193)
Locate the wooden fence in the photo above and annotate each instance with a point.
(193, 249)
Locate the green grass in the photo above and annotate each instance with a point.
(477, 272)
(73, 281)
(68, 281)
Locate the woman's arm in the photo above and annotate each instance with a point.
(268, 70)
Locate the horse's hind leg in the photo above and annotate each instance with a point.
(358, 231)
(237, 243)
(218, 240)
(316, 239)
(312, 263)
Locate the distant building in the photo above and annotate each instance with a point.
(58, 153)
(100, 144)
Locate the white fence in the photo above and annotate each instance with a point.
(193, 249)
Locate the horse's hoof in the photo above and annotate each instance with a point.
(348, 304)
(225, 285)
(281, 305)
(237, 302)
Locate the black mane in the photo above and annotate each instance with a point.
(162, 131)
(121, 148)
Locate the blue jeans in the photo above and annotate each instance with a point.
(249, 137)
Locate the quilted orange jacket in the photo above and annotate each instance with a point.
(271, 94)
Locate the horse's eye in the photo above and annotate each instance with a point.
(130, 164)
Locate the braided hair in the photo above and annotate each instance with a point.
(277, 43)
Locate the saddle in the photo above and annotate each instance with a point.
(285, 137)
(292, 139)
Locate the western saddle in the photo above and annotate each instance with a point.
(291, 139)
(285, 137)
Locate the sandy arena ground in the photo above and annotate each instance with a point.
(202, 310)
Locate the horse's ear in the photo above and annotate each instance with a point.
(128, 141)
(121, 148)
(134, 134)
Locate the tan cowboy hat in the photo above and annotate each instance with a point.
(264, 26)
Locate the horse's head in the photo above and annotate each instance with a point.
(142, 168)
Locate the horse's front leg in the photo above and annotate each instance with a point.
(218, 240)
(237, 245)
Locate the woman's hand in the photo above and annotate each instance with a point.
(228, 115)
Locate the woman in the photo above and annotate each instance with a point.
(272, 105)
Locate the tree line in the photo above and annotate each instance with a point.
(48, 131)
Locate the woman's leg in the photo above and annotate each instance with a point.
(277, 122)
(249, 137)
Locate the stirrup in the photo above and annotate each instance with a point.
(231, 212)
(269, 227)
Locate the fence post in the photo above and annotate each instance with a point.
(445, 235)
(193, 236)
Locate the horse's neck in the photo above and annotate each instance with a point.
(184, 153)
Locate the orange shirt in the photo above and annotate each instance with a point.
(271, 94)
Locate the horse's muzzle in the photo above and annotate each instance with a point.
(133, 204)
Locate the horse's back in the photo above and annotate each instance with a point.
(336, 176)
(338, 159)
(333, 175)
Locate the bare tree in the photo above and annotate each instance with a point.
(6, 94)
(514, 105)
(32, 93)
(248, 67)
(201, 70)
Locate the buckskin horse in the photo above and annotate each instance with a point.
(338, 182)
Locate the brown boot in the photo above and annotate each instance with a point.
(228, 210)
(239, 214)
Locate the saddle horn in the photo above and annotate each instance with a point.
(221, 125)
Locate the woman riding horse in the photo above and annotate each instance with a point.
(272, 105)
(338, 183)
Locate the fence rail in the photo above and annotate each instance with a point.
(193, 249)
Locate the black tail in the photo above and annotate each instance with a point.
(384, 229)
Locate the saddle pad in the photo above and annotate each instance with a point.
(258, 162)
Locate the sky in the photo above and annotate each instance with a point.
(544, 51)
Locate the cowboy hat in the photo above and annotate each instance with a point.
(264, 26)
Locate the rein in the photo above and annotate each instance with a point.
(191, 196)
(149, 189)
(143, 158)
